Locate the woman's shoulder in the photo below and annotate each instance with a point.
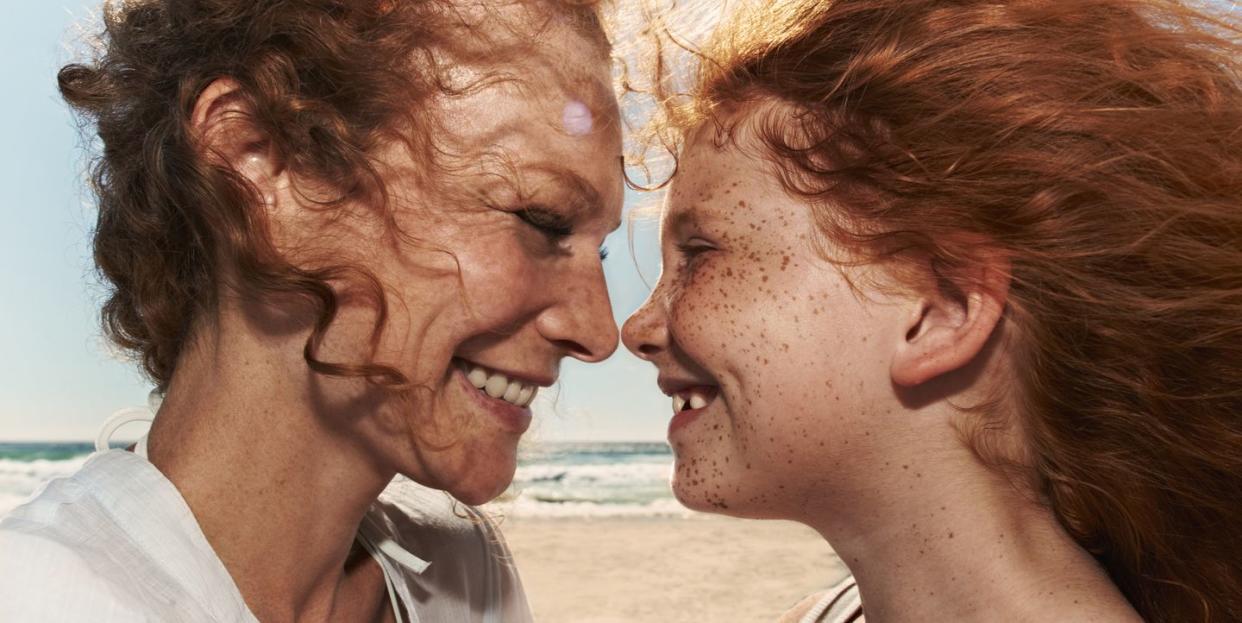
(112, 541)
(72, 508)
(424, 508)
(467, 569)
(46, 579)
(53, 562)
(429, 521)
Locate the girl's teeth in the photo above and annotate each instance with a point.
(691, 399)
(497, 385)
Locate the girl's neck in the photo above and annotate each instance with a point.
(948, 539)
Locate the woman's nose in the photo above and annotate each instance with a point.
(581, 321)
(646, 331)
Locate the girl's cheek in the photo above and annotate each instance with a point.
(706, 300)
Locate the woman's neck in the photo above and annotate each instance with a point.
(944, 538)
(278, 493)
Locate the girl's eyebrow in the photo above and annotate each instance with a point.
(687, 219)
(690, 217)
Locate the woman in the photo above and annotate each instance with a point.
(348, 240)
(958, 284)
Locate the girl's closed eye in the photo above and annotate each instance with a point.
(693, 250)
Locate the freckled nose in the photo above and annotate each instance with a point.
(582, 323)
(645, 333)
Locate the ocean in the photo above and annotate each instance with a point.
(553, 479)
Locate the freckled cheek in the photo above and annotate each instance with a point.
(706, 312)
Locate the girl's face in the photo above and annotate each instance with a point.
(499, 275)
(778, 372)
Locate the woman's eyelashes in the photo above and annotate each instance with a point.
(552, 225)
(556, 227)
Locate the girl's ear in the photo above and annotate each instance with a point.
(223, 125)
(948, 328)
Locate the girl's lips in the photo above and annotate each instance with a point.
(512, 418)
(689, 402)
(682, 419)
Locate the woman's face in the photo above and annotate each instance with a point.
(777, 370)
(498, 276)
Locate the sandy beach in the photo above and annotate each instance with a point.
(703, 569)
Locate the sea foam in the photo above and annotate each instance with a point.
(552, 480)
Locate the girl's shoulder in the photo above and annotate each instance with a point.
(839, 604)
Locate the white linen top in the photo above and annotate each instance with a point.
(116, 542)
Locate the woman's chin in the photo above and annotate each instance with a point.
(481, 488)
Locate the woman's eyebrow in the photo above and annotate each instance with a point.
(583, 191)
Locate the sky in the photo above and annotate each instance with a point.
(59, 378)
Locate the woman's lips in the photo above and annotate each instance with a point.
(512, 418)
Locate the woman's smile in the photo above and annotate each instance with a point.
(506, 397)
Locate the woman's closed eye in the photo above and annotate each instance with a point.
(554, 226)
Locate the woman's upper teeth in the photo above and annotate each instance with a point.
(498, 385)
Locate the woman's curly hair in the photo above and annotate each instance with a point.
(327, 81)
(1098, 145)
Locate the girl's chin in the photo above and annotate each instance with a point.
(701, 496)
(697, 497)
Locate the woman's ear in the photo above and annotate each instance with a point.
(948, 327)
(223, 125)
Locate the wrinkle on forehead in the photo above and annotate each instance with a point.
(532, 42)
(554, 96)
(510, 78)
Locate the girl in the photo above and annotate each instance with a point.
(958, 284)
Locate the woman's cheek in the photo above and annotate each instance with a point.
(500, 280)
